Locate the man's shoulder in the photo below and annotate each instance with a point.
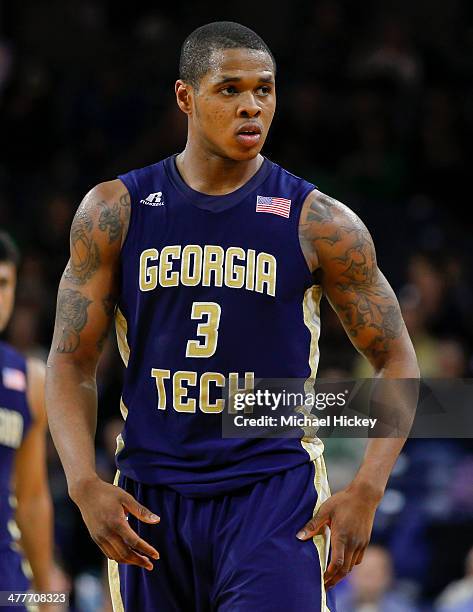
(322, 209)
(144, 171)
(145, 179)
(289, 176)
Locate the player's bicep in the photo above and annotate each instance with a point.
(352, 281)
(370, 314)
(88, 288)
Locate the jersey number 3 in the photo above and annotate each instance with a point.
(208, 329)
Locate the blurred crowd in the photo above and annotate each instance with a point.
(375, 106)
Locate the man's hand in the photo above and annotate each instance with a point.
(350, 517)
(104, 508)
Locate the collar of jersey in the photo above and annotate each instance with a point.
(216, 203)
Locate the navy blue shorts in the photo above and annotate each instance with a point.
(232, 553)
(13, 576)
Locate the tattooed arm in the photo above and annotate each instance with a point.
(86, 302)
(340, 253)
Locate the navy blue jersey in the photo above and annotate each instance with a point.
(213, 288)
(15, 419)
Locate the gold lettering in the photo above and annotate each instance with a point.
(11, 428)
(208, 329)
(160, 376)
(213, 264)
(234, 274)
(193, 251)
(148, 276)
(205, 380)
(180, 392)
(166, 277)
(266, 273)
(233, 388)
(250, 270)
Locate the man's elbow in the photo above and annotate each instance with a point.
(62, 364)
(34, 508)
(400, 362)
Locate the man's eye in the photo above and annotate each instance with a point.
(229, 91)
(264, 90)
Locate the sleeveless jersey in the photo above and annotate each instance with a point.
(213, 288)
(15, 419)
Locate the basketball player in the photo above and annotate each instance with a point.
(199, 259)
(22, 454)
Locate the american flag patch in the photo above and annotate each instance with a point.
(276, 206)
(14, 379)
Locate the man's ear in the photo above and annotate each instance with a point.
(184, 93)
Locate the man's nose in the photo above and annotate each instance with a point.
(249, 107)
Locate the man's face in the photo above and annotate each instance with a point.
(7, 292)
(232, 109)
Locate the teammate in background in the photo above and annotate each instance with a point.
(199, 259)
(26, 521)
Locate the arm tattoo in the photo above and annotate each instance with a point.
(359, 259)
(85, 258)
(125, 206)
(367, 303)
(370, 308)
(321, 209)
(71, 318)
(360, 294)
(110, 219)
(108, 303)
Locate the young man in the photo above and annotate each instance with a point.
(199, 258)
(22, 454)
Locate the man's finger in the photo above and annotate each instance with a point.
(133, 540)
(126, 555)
(355, 558)
(342, 571)
(141, 512)
(360, 556)
(107, 550)
(314, 526)
(337, 558)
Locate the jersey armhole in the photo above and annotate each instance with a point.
(308, 190)
(128, 181)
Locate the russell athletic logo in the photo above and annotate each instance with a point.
(154, 199)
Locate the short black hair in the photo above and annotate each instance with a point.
(198, 47)
(8, 250)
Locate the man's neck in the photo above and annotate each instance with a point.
(212, 174)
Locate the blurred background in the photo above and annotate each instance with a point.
(375, 106)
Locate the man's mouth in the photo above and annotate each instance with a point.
(249, 134)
